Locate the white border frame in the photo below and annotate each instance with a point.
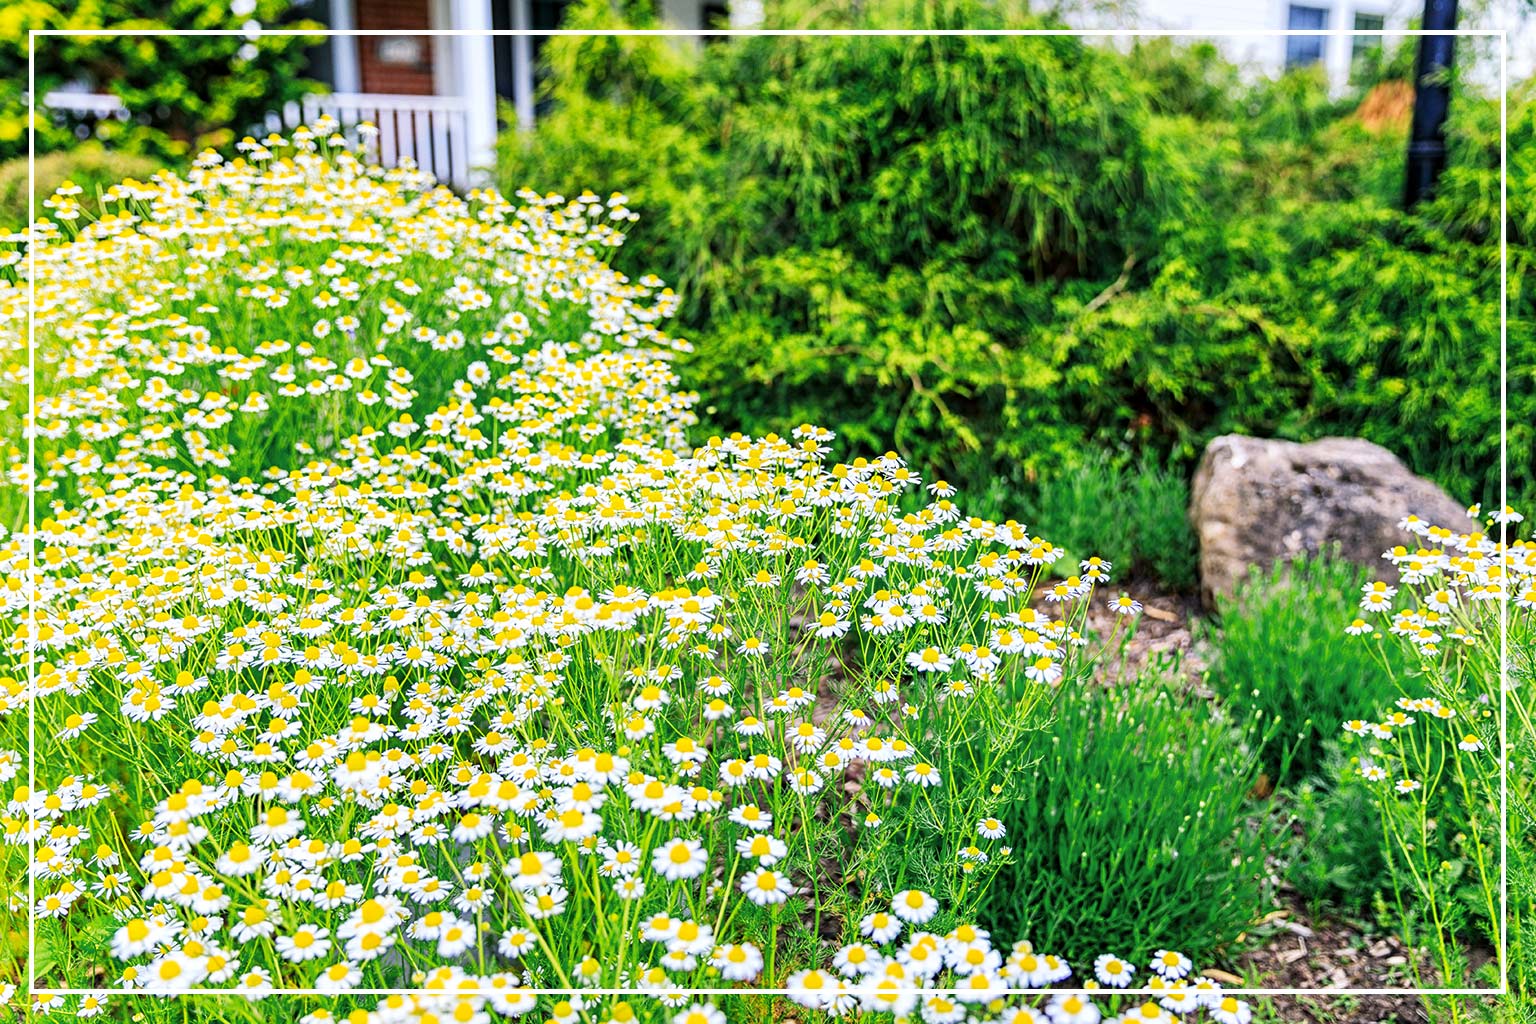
(112, 993)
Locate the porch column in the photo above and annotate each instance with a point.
(477, 84)
(522, 66)
(345, 68)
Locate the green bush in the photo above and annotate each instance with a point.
(1341, 862)
(803, 199)
(91, 166)
(1282, 655)
(997, 254)
(1135, 824)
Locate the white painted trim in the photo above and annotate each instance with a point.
(432, 130)
(100, 103)
(393, 101)
(475, 60)
(522, 65)
(346, 67)
(444, 59)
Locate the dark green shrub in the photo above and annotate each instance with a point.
(1134, 829)
(997, 254)
(1282, 653)
(809, 214)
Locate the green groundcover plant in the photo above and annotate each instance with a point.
(390, 629)
(1140, 798)
(1000, 254)
(1149, 503)
(1280, 657)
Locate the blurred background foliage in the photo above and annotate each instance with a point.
(90, 165)
(187, 92)
(1008, 257)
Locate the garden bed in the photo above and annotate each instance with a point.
(393, 628)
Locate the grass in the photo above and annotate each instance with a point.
(1146, 502)
(1282, 656)
(1135, 823)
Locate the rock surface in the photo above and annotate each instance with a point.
(1256, 502)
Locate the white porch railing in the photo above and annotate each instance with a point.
(431, 130)
(86, 104)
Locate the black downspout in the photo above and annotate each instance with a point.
(1431, 100)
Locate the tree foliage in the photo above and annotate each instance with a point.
(182, 93)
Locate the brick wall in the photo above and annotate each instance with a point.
(379, 75)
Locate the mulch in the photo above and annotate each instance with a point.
(1294, 950)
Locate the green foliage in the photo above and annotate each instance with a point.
(91, 166)
(995, 254)
(1282, 656)
(1337, 861)
(1180, 78)
(1520, 835)
(1147, 504)
(1521, 850)
(1134, 824)
(183, 93)
(804, 203)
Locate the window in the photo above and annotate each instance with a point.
(1301, 51)
(1363, 47)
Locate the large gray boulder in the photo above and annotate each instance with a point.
(1256, 502)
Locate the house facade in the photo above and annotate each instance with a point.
(1347, 31)
(435, 97)
(1338, 55)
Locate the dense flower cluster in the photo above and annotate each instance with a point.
(387, 631)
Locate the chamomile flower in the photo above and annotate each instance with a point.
(765, 887)
(1072, 1009)
(307, 942)
(914, 906)
(679, 859)
(737, 962)
(1171, 965)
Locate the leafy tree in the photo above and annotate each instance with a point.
(182, 92)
